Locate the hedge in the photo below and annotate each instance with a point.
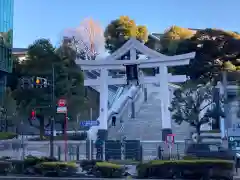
(25, 166)
(187, 169)
(102, 169)
(5, 167)
(108, 170)
(7, 135)
(88, 165)
(56, 169)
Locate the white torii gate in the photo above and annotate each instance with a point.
(155, 60)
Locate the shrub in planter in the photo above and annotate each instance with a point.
(56, 169)
(187, 169)
(31, 161)
(17, 166)
(88, 165)
(5, 167)
(108, 170)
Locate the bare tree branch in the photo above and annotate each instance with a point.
(87, 39)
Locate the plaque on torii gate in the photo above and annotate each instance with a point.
(155, 60)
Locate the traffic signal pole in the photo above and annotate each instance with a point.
(65, 135)
(53, 113)
(40, 82)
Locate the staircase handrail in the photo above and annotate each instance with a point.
(131, 95)
(116, 96)
(116, 108)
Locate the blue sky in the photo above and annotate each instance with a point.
(48, 18)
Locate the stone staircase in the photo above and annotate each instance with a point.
(147, 125)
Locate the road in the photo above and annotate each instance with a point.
(53, 178)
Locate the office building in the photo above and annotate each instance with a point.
(6, 42)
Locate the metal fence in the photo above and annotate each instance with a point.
(78, 150)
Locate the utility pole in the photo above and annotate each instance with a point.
(53, 112)
(227, 123)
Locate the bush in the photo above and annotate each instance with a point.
(5, 167)
(31, 161)
(56, 169)
(26, 166)
(17, 166)
(108, 170)
(187, 169)
(88, 165)
(7, 135)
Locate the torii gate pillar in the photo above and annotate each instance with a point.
(103, 108)
(165, 102)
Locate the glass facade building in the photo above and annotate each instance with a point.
(6, 39)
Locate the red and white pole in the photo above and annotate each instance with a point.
(65, 135)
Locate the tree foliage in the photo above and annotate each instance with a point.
(122, 29)
(13, 78)
(215, 49)
(8, 112)
(41, 58)
(194, 104)
(172, 37)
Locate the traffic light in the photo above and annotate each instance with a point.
(40, 82)
(33, 114)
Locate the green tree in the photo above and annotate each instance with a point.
(13, 78)
(122, 29)
(194, 104)
(172, 37)
(215, 51)
(8, 110)
(41, 58)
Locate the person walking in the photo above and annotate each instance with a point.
(114, 121)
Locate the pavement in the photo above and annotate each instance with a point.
(54, 178)
(50, 178)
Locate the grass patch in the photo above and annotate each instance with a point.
(7, 135)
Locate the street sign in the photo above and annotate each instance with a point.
(89, 123)
(48, 132)
(170, 138)
(61, 110)
(234, 143)
(61, 102)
